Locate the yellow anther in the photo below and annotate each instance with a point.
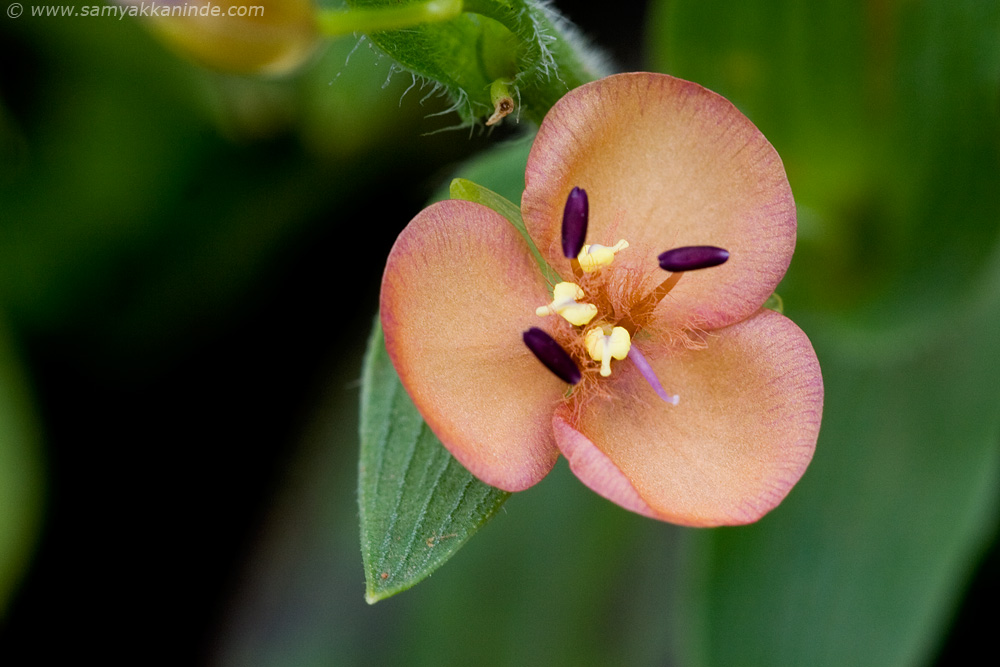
(564, 296)
(593, 257)
(603, 347)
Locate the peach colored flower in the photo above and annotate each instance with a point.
(487, 348)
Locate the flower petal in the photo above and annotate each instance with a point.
(459, 290)
(594, 468)
(742, 435)
(666, 163)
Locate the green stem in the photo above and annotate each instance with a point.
(335, 23)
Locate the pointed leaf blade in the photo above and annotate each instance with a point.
(418, 505)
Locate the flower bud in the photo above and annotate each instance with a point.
(238, 36)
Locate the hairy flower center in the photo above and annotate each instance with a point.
(602, 312)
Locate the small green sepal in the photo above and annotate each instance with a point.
(775, 303)
(465, 189)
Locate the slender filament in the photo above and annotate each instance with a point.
(650, 376)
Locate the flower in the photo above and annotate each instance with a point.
(644, 163)
(265, 36)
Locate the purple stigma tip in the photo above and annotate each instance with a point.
(649, 375)
(550, 353)
(692, 257)
(574, 226)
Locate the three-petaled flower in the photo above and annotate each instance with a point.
(509, 370)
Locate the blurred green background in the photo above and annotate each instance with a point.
(189, 267)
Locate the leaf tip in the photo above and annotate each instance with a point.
(376, 589)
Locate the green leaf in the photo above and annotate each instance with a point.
(418, 504)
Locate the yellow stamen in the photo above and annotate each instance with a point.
(593, 257)
(605, 346)
(564, 303)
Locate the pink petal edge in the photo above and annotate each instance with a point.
(594, 468)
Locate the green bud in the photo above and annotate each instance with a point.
(270, 36)
(522, 44)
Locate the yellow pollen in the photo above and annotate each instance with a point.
(564, 303)
(603, 347)
(593, 257)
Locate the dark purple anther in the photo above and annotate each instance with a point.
(574, 228)
(550, 353)
(692, 257)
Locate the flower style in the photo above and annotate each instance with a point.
(509, 371)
